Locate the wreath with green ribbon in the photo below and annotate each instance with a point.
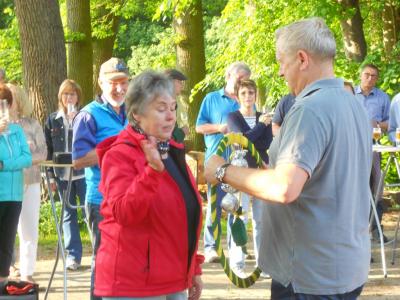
(237, 228)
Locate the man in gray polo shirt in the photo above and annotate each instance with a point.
(315, 239)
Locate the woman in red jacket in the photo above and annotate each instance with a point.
(151, 206)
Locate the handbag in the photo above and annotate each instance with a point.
(20, 290)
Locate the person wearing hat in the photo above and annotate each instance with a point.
(105, 116)
(178, 79)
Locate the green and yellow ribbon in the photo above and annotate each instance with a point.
(231, 139)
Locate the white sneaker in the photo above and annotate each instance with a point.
(211, 256)
(72, 265)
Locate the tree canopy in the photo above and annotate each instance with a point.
(144, 35)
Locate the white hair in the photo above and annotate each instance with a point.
(237, 67)
(311, 35)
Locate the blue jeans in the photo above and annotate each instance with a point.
(72, 237)
(94, 218)
(209, 243)
(280, 292)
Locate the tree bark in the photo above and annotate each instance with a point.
(80, 56)
(43, 53)
(261, 95)
(391, 26)
(103, 47)
(190, 57)
(353, 33)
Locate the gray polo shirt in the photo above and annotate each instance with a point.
(320, 242)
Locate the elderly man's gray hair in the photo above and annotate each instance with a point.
(311, 35)
(236, 67)
(144, 89)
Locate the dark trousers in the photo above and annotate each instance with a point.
(280, 292)
(9, 216)
(94, 218)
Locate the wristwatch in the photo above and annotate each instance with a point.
(220, 172)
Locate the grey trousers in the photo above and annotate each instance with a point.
(376, 174)
(175, 296)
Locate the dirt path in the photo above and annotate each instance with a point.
(217, 285)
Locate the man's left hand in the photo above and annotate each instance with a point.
(197, 287)
(212, 164)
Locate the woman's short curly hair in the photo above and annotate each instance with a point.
(144, 89)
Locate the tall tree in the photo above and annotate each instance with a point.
(352, 29)
(80, 55)
(43, 52)
(391, 25)
(105, 30)
(190, 59)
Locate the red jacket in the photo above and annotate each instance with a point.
(144, 238)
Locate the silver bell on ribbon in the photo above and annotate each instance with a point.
(238, 158)
(230, 203)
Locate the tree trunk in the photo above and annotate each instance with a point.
(80, 56)
(390, 26)
(353, 33)
(103, 47)
(261, 95)
(397, 18)
(190, 58)
(43, 52)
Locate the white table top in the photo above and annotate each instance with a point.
(50, 163)
(385, 148)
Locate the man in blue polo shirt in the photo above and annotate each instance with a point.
(377, 104)
(103, 117)
(212, 123)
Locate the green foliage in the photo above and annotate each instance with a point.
(47, 228)
(169, 8)
(138, 33)
(102, 12)
(10, 50)
(46, 221)
(73, 36)
(254, 42)
(6, 6)
(156, 56)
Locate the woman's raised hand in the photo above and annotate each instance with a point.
(153, 157)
